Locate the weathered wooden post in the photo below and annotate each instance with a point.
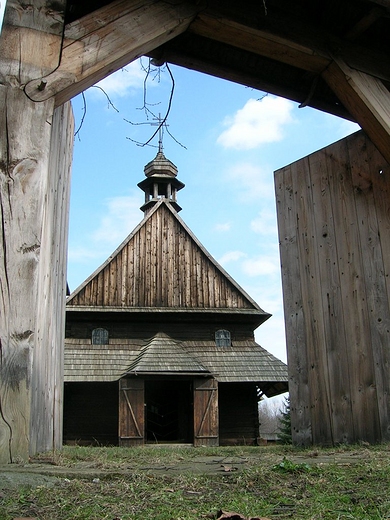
(333, 218)
(35, 156)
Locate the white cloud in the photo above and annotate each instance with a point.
(265, 223)
(82, 254)
(123, 81)
(231, 256)
(347, 127)
(258, 122)
(262, 265)
(120, 218)
(252, 181)
(223, 226)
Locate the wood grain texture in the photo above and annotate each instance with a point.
(258, 41)
(108, 39)
(131, 412)
(170, 269)
(286, 195)
(206, 426)
(30, 210)
(47, 374)
(338, 210)
(366, 98)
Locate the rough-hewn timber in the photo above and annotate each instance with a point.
(35, 157)
(334, 238)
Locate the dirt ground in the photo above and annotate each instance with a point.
(36, 473)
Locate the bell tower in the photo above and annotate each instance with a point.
(160, 182)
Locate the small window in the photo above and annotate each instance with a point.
(222, 338)
(100, 337)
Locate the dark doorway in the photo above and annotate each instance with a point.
(169, 411)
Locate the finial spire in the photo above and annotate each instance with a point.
(161, 124)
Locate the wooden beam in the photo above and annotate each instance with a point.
(366, 98)
(241, 71)
(365, 23)
(263, 42)
(384, 3)
(108, 39)
(291, 42)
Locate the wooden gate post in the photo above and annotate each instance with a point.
(333, 218)
(35, 157)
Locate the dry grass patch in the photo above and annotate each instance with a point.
(163, 483)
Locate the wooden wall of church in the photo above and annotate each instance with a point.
(238, 414)
(91, 413)
(334, 231)
(161, 266)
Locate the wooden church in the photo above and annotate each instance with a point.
(160, 339)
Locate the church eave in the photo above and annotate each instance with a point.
(161, 178)
(144, 373)
(169, 310)
(152, 202)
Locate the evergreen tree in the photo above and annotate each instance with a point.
(284, 435)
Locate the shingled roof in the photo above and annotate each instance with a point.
(243, 361)
(164, 355)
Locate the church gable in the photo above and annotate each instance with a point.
(161, 264)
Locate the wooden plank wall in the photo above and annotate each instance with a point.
(145, 326)
(238, 414)
(161, 266)
(334, 231)
(91, 413)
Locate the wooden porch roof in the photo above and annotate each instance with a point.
(164, 355)
(244, 361)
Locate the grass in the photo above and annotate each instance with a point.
(156, 483)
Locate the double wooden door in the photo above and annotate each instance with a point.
(202, 417)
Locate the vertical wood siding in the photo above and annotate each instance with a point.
(334, 231)
(131, 412)
(238, 414)
(161, 266)
(206, 426)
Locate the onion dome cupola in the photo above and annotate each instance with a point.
(160, 182)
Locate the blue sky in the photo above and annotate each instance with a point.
(235, 138)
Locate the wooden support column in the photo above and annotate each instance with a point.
(35, 156)
(367, 100)
(333, 219)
